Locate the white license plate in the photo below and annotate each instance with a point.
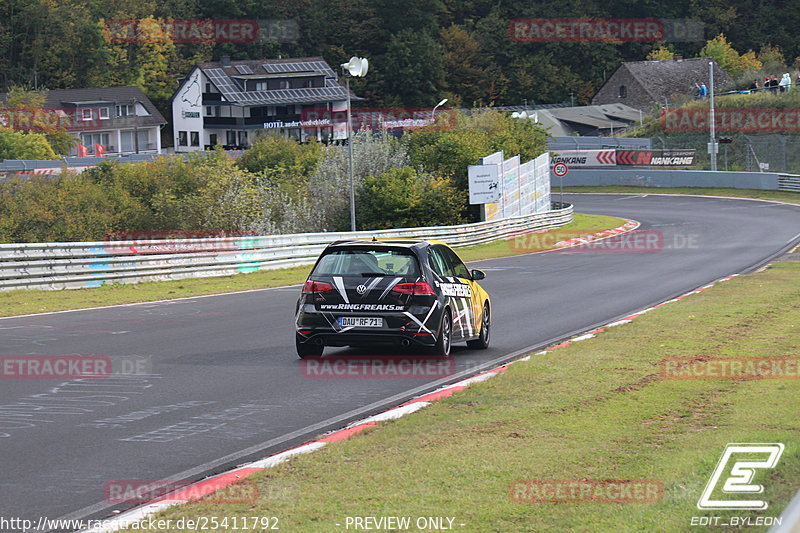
(360, 322)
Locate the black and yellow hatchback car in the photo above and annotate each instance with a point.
(392, 292)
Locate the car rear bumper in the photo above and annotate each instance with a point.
(366, 338)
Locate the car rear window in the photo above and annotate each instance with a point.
(367, 262)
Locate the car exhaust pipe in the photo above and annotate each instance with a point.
(318, 341)
(405, 343)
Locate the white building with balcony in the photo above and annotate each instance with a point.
(121, 119)
(229, 102)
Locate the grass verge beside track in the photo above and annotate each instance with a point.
(594, 410)
(782, 196)
(21, 302)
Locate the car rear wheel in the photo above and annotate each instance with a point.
(482, 342)
(444, 341)
(307, 349)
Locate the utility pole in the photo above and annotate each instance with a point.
(712, 146)
(135, 125)
(350, 161)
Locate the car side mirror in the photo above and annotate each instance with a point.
(478, 275)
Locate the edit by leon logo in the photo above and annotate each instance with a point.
(746, 459)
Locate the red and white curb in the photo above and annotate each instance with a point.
(212, 484)
(629, 225)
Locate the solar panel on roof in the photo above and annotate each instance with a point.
(244, 69)
(274, 68)
(231, 91)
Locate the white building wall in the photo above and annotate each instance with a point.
(187, 112)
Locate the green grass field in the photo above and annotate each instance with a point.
(20, 302)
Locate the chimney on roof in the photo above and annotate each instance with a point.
(225, 60)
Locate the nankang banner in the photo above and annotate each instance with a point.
(656, 158)
(584, 158)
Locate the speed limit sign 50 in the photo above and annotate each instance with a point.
(560, 169)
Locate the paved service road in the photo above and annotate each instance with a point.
(218, 382)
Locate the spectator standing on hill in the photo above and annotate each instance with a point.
(695, 91)
(703, 91)
(754, 87)
(786, 83)
(774, 85)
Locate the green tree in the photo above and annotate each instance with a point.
(413, 69)
(20, 145)
(402, 198)
(449, 153)
(19, 97)
(771, 59)
(30, 106)
(660, 53)
(729, 59)
(145, 63)
(469, 74)
(282, 160)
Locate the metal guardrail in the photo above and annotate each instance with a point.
(91, 264)
(788, 182)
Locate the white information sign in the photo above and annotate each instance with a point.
(484, 184)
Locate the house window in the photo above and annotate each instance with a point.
(261, 86)
(195, 138)
(126, 141)
(283, 84)
(208, 87)
(124, 110)
(209, 111)
(308, 84)
(230, 137)
(90, 139)
(104, 113)
(182, 138)
(86, 114)
(623, 91)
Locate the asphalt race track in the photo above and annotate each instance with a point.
(217, 383)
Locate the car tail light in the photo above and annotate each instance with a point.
(312, 287)
(414, 289)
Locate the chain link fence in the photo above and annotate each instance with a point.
(772, 152)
